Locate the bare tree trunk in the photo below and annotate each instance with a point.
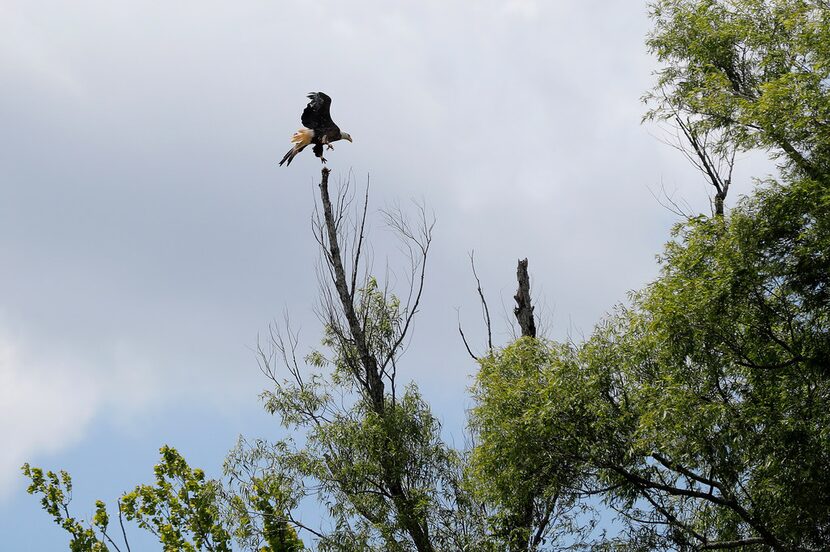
(719, 197)
(372, 377)
(524, 310)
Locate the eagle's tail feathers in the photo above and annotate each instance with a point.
(301, 139)
(289, 156)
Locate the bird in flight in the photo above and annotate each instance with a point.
(318, 129)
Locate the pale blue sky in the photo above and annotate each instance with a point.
(147, 235)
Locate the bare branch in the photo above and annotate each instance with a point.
(485, 309)
(360, 236)
(419, 239)
(704, 148)
(670, 204)
(464, 339)
(704, 162)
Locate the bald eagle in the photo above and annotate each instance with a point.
(318, 129)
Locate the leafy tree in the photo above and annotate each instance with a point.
(371, 454)
(514, 469)
(699, 411)
(754, 72)
(183, 509)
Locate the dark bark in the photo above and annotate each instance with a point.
(705, 163)
(524, 310)
(372, 377)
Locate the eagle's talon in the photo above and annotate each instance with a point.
(323, 159)
(329, 146)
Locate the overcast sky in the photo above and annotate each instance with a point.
(147, 235)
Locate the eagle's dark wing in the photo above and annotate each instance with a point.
(316, 114)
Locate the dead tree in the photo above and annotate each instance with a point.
(523, 309)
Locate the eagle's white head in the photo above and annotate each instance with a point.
(345, 136)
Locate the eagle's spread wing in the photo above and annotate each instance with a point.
(316, 115)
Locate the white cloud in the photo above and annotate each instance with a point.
(50, 395)
(44, 406)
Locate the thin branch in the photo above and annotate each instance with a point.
(724, 545)
(672, 519)
(464, 339)
(360, 236)
(423, 242)
(484, 306)
(304, 527)
(705, 162)
(674, 466)
(669, 203)
(106, 535)
(121, 523)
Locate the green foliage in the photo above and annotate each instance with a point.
(182, 508)
(756, 70)
(381, 473)
(258, 499)
(704, 406)
(735, 353)
(349, 454)
(280, 536)
(56, 491)
(506, 468)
